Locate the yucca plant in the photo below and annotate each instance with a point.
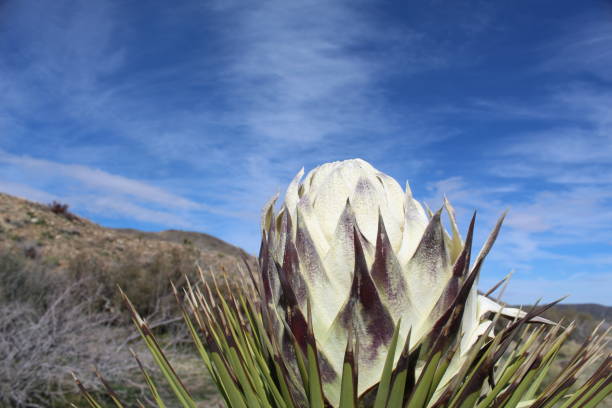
(362, 299)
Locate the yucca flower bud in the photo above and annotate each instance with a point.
(362, 254)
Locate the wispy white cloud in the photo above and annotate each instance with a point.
(582, 134)
(96, 179)
(581, 213)
(301, 81)
(293, 89)
(545, 238)
(288, 86)
(97, 192)
(302, 87)
(61, 65)
(306, 75)
(559, 167)
(515, 247)
(118, 207)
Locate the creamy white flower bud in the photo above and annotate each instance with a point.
(349, 242)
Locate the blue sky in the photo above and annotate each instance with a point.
(191, 115)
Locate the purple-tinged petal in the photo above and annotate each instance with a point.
(365, 201)
(389, 279)
(367, 315)
(415, 223)
(327, 297)
(339, 261)
(428, 271)
(460, 269)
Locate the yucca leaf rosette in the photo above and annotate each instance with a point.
(361, 253)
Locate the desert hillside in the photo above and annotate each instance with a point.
(61, 312)
(50, 238)
(56, 236)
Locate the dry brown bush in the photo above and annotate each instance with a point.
(51, 328)
(40, 348)
(146, 282)
(61, 209)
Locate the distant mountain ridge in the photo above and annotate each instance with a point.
(586, 317)
(594, 310)
(598, 311)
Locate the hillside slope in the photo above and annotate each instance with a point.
(62, 245)
(37, 230)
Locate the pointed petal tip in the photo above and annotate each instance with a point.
(347, 205)
(267, 209)
(408, 189)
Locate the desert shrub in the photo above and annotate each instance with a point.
(61, 209)
(69, 317)
(53, 324)
(40, 348)
(26, 281)
(50, 328)
(146, 281)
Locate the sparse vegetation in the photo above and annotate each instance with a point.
(587, 316)
(51, 327)
(142, 263)
(148, 282)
